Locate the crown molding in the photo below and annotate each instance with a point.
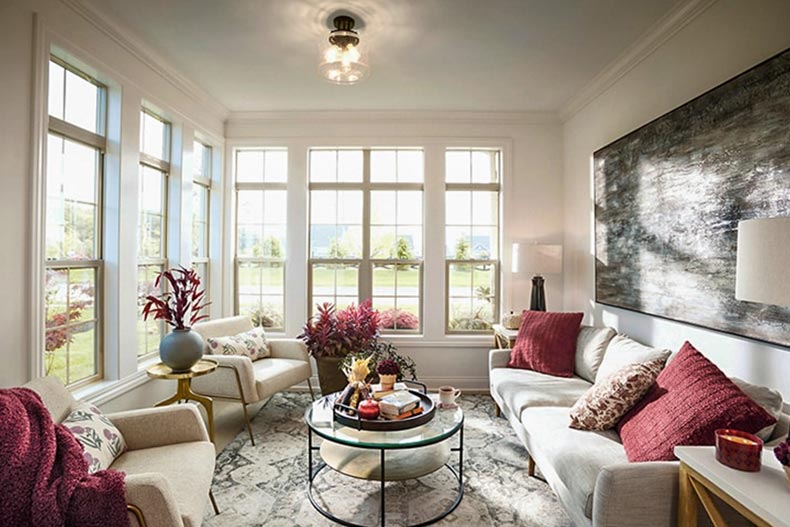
(668, 26)
(393, 116)
(145, 54)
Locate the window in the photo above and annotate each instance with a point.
(74, 212)
(201, 194)
(366, 231)
(472, 238)
(152, 225)
(261, 218)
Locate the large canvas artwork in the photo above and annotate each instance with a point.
(668, 198)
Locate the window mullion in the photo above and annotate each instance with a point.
(365, 266)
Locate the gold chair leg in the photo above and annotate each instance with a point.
(213, 501)
(247, 420)
(137, 513)
(531, 467)
(310, 385)
(497, 410)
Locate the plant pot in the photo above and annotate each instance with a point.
(330, 377)
(387, 380)
(181, 349)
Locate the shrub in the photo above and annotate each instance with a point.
(397, 319)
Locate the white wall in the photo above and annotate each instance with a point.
(729, 37)
(27, 28)
(532, 206)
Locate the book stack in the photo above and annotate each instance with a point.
(399, 405)
(379, 393)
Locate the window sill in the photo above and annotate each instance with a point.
(448, 341)
(103, 391)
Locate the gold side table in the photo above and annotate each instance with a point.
(184, 391)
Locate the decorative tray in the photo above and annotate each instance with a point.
(384, 425)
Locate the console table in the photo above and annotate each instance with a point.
(761, 497)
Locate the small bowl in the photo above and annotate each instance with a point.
(739, 450)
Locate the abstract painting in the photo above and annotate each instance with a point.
(668, 198)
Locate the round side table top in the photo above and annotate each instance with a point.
(163, 371)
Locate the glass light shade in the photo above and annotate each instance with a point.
(343, 65)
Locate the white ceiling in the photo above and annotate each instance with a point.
(494, 55)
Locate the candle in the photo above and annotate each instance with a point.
(739, 450)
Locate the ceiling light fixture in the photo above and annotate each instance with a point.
(342, 61)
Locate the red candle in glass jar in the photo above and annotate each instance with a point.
(739, 450)
(368, 409)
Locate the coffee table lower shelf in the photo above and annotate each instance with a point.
(385, 464)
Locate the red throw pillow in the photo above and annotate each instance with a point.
(689, 401)
(546, 343)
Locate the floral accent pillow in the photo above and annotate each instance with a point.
(252, 344)
(608, 400)
(101, 440)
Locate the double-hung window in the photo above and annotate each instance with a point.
(261, 217)
(472, 184)
(201, 197)
(76, 143)
(366, 231)
(152, 225)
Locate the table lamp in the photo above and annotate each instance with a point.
(762, 261)
(538, 259)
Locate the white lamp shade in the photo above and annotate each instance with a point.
(536, 258)
(763, 261)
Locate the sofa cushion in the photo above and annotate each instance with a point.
(100, 439)
(275, 375)
(689, 401)
(188, 468)
(623, 351)
(603, 405)
(518, 389)
(252, 344)
(546, 342)
(769, 399)
(574, 456)
(590, 348)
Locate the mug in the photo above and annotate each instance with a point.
(448, 395)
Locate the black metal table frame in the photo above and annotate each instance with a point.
(459, 475)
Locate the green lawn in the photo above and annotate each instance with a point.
(82, 361)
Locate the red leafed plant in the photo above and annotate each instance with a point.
(333, 333)
(183, 301)
(397, 319)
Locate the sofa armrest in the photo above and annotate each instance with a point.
(224, 381)
(498, 358)
(152, 495)
(644, 494)
(289, 349)
(151, 427)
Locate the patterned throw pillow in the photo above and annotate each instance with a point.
(102, 441)
(252, 344)
(603, 405)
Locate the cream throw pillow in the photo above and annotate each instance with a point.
(101, 440)
(623, 351)
(609, 399)
(252, 344)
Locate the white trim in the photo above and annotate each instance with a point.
(145, 54)
(393, 116)
(663, 30)
(102, 392)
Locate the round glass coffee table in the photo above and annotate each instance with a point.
(383, 456)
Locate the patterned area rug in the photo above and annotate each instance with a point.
(266, 484)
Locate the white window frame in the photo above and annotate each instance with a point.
(204, 181)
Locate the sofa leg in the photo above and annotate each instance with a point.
(497, 410)
(310, 385)
(213, 501)
(531, 467)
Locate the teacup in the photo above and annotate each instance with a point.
(448, 395)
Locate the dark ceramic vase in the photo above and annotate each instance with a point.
(181, 349)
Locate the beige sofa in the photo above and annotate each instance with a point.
(589, 471)
(246, 381)
(169, 463)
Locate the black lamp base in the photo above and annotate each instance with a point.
(538, 302)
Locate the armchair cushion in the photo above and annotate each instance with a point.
(223, 383)
(275, 375)
(100, 438)
(187, 470)
(153, 427)
(289, 349)
(252, 344)
(151, 493)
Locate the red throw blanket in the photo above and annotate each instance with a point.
(44, 480)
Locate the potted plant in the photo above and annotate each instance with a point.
(331, 335)
(181, 304)
(380, 352)
(388, 371)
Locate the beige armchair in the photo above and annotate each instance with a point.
(241, 379)
(169, 463)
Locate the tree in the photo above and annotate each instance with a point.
(462, 248)
(270, 248)
(403, 250)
